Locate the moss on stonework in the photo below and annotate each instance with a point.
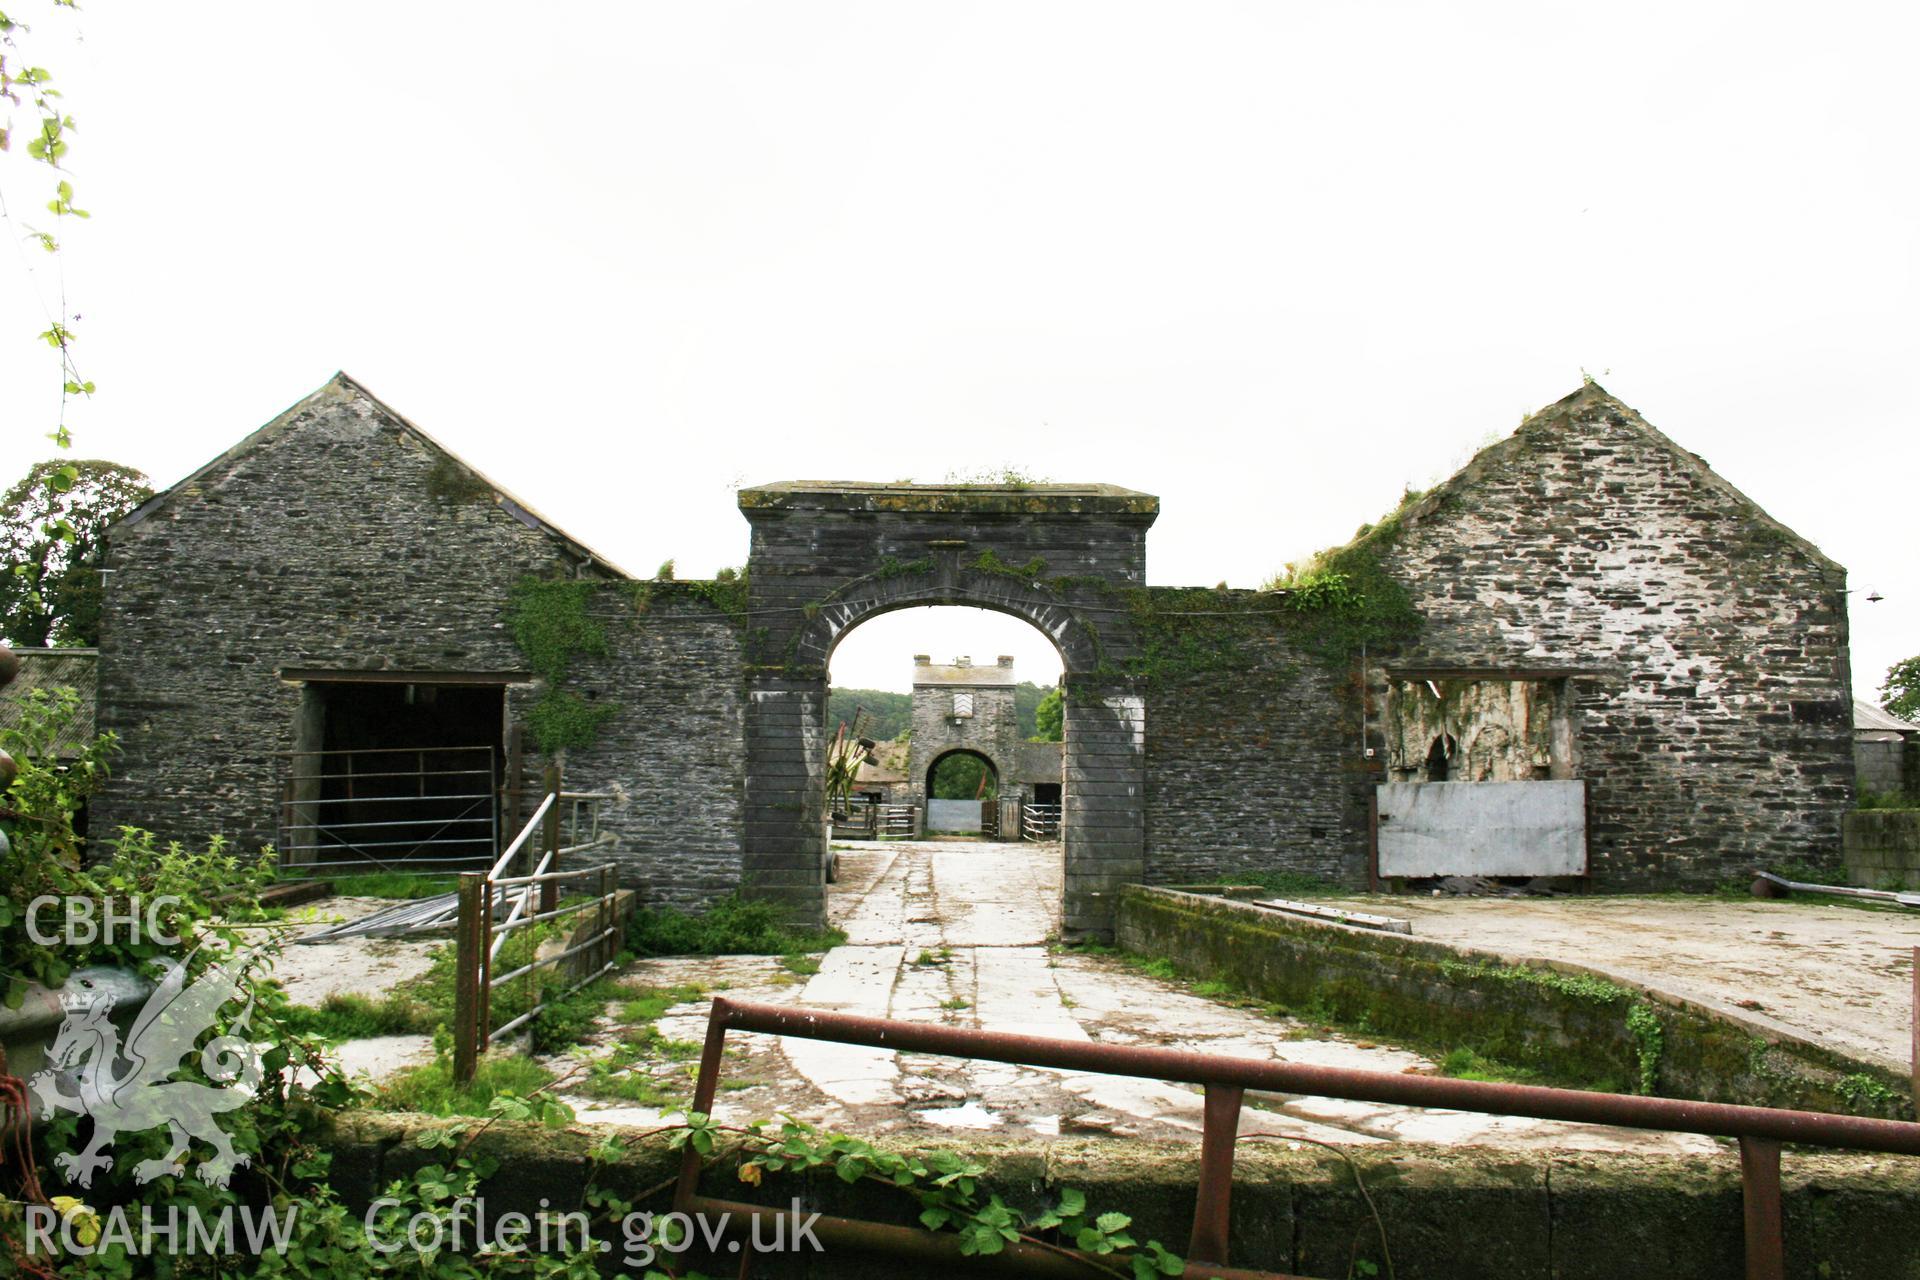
(1341, 601)
(726, 592)
(893, 567)
(553, 622)
(562, 719)
(990, 562)
(1573, 1028)
(449, 482)
(553, 625)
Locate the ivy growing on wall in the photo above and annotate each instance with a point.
(552, 625)
(725, 592)
(1341, 601)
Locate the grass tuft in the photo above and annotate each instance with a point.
(730, 926)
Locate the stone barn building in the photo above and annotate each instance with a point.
(1585, 635)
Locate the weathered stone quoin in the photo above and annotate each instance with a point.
(1586, 599)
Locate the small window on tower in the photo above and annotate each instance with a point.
(962, 705)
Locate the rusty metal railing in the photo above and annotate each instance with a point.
(1760, 1131)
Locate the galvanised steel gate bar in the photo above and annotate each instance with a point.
(1760, 1130)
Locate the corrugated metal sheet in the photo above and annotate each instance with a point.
(1868, 718)
(49, 669)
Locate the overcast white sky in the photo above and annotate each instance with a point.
(1271, 262)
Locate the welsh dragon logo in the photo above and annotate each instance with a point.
(130, 1089)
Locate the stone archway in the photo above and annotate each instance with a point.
(826, 557)
(935, 803)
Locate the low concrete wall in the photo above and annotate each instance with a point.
(1459, 1214)
(1882, 848)
(1570, 1024)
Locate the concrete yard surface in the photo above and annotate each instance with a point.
(960, 933)
(1840, 975)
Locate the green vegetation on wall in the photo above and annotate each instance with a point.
(725, 592)
(552, 625)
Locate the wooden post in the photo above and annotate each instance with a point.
(1916, 1029)
(513, 781)
(550, 841)
(609, 886)
(1373, 835)
(483, 939)
(470, 948)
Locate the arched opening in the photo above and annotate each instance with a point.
(830, 558)
(963, 775)
(953, 716)
(963, 795)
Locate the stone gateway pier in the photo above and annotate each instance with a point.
(1586, 604)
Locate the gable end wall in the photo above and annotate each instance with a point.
(1713, 718)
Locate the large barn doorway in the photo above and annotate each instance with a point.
(394, 774)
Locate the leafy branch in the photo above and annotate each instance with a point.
(25, 83)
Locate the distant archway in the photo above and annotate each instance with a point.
(949, 777)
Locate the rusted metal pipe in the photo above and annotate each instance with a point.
(1857, 1133)
(1761, 1130)
(1760, 1201)
(940, 1249)
(1220, 1130)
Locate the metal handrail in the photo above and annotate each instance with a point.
(500, 865)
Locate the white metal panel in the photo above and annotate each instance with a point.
(953, 815)
(1483, 828)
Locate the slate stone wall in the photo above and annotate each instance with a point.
(339, 538)
(825, 558)
(1705, 644)
(1883, 765)
(1703, 648)
(672, 750)
(992, 730)
(1257, 770)
(1882, 848)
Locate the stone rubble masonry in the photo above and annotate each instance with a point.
(1882, 848)
(1256, 770)
(1454, 1213)
(1701, 647)
(1706, 644)
(339, 537)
